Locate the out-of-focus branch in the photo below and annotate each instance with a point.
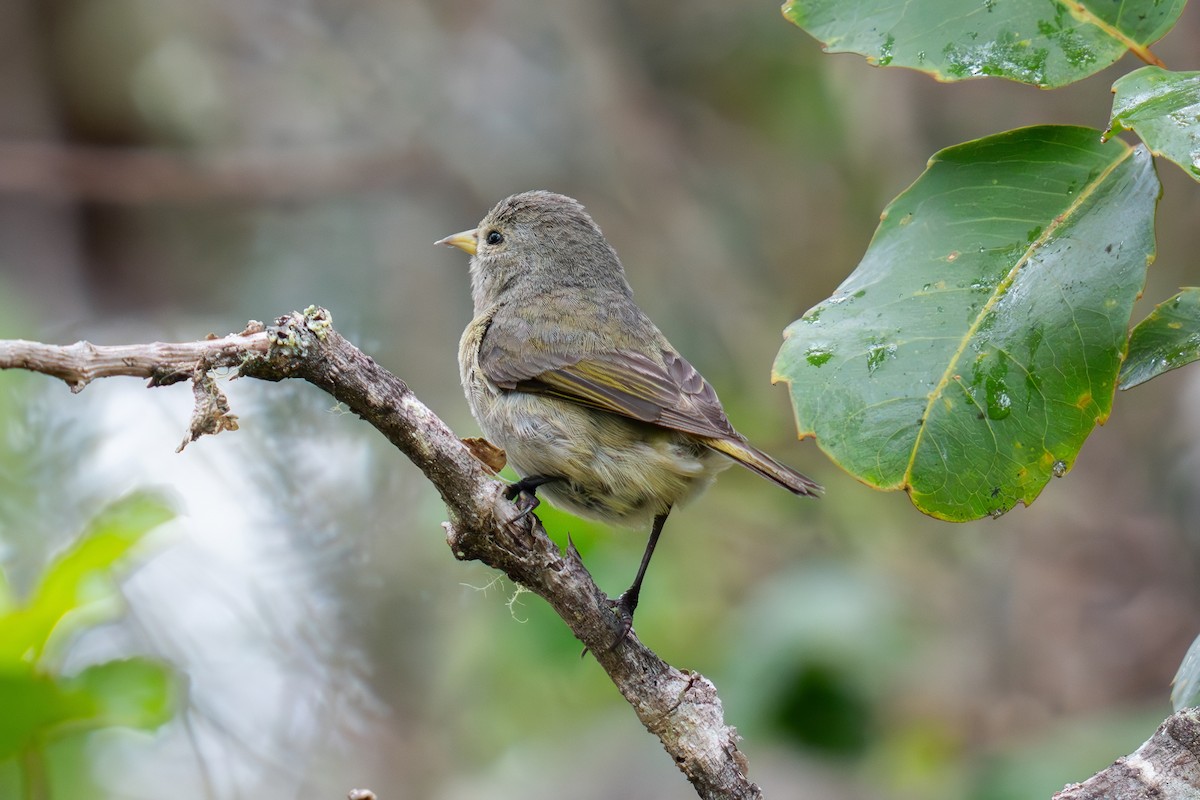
(132, 176)
(1165, 767)
(680, 707)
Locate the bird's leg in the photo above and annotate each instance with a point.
(627, 603)
(527, 486)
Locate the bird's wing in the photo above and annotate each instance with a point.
(671, 394)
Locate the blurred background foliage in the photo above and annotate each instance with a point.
(45, 711)
(171, 167)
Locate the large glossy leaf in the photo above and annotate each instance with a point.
(1042, 42)
(1165, 340)
(1164, 109)
(977, 344)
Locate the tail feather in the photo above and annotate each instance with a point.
(757, 461)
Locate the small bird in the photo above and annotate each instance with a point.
(588, 399)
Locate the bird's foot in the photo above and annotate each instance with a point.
(526, 487)
(623, 607)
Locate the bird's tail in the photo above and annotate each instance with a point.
(756, 460)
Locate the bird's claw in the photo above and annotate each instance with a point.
(515, 491)
(527, 486)
(623, 607)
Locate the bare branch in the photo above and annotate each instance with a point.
(81, 363)
(680, 707)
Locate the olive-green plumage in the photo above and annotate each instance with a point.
(576, 384)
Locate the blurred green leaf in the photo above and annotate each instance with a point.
(33, 704)
(822, 709)
(77, 588)
(133, 693)
(38, 706)
(1163, 108)
(977, 344)
(1046, 43)
(1165, 340)
(827, 641)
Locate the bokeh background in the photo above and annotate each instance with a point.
(174, 167)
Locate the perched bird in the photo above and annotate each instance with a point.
(590, 402)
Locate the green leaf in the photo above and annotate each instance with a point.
(1163, 108)
(132, 693)
(1041, 42)
(1168, 338)
(76, 588)
(977, 344)
(33, 704)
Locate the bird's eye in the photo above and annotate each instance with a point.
(495, 237)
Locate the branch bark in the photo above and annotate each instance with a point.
(1165, 767)
(680, 707)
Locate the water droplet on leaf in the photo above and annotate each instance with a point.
(817, 355)
(878, 354)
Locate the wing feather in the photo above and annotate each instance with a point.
(670, 393)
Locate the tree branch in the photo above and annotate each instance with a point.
(680, 707)
(1165, 767)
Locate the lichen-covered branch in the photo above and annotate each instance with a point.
(680, 707)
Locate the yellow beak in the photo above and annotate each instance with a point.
(464, 241)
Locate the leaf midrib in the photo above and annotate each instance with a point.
(1000, 291)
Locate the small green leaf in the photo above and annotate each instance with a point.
(1041, 42)
(1163, 108)
(978, 342)
(76, 588)
(1168, 338)
(33, 704)
(132, 693)
(135, 693)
